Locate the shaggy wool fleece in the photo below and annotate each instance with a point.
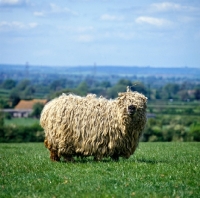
(91, 126)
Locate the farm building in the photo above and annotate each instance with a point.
(24, 108)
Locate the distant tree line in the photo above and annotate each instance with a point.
(25, 89)
(161, 128)
(167, 128)
(12, 133)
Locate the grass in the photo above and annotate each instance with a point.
(155, 170)
(21, 121)
(4, 93)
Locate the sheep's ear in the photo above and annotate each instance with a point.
(128, 89)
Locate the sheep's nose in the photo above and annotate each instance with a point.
(131, 109)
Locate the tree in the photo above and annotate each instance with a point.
(195, 131)
(1, 123)
(183, 94)
(23, 85)
(28, 92)
(197, 94)
(9, 84)
(24, 90)
(121, 86)
(82, 89)
(139, 87)
(37, 109)
(1, 118)
(58, 84)
(170, 90)
(113, 91)
(105, 84)
(158, 94)
(4, 103)
(124, 82)
(14, 97)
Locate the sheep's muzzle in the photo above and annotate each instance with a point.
(131, 109)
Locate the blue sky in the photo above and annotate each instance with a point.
(102, 32)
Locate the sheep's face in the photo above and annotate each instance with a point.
(134, 113)
(131, 109)
(132, 103)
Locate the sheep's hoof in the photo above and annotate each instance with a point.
(54, 156)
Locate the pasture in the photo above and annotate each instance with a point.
(21, 121)
(155, 170)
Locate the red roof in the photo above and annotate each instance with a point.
(28, 104)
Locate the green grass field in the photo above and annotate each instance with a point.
(155, 170)
(21, 121)
(4, 94)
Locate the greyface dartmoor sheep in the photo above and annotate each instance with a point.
(91, 126)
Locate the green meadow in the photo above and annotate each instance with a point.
(21, 121)
(170, 169)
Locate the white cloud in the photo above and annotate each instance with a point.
(152, 21)
(32, 25)
(108, 17)
(67, 10)
(12, 2)
(168, 6)
(9, 2)
(16, 25)
(40, 14)
(77, 29)
(85, 38)
(164, 6)
(55, 9)
(13, 24)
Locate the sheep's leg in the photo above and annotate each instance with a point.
(115, 157)
(54, 155)
(68, 158)
(46, 143)
(97, 158)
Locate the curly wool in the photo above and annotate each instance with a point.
(91, 126)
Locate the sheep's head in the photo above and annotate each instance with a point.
(131, 109)
(132, 103)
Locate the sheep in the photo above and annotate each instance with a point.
(91, 126)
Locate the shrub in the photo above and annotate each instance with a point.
(37, 109)
(13, 133)
(195, 131)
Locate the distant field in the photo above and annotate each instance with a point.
(21, 121)
(4, 93)
(155, 170)
(174, 108)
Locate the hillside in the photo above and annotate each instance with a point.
(26, 70)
